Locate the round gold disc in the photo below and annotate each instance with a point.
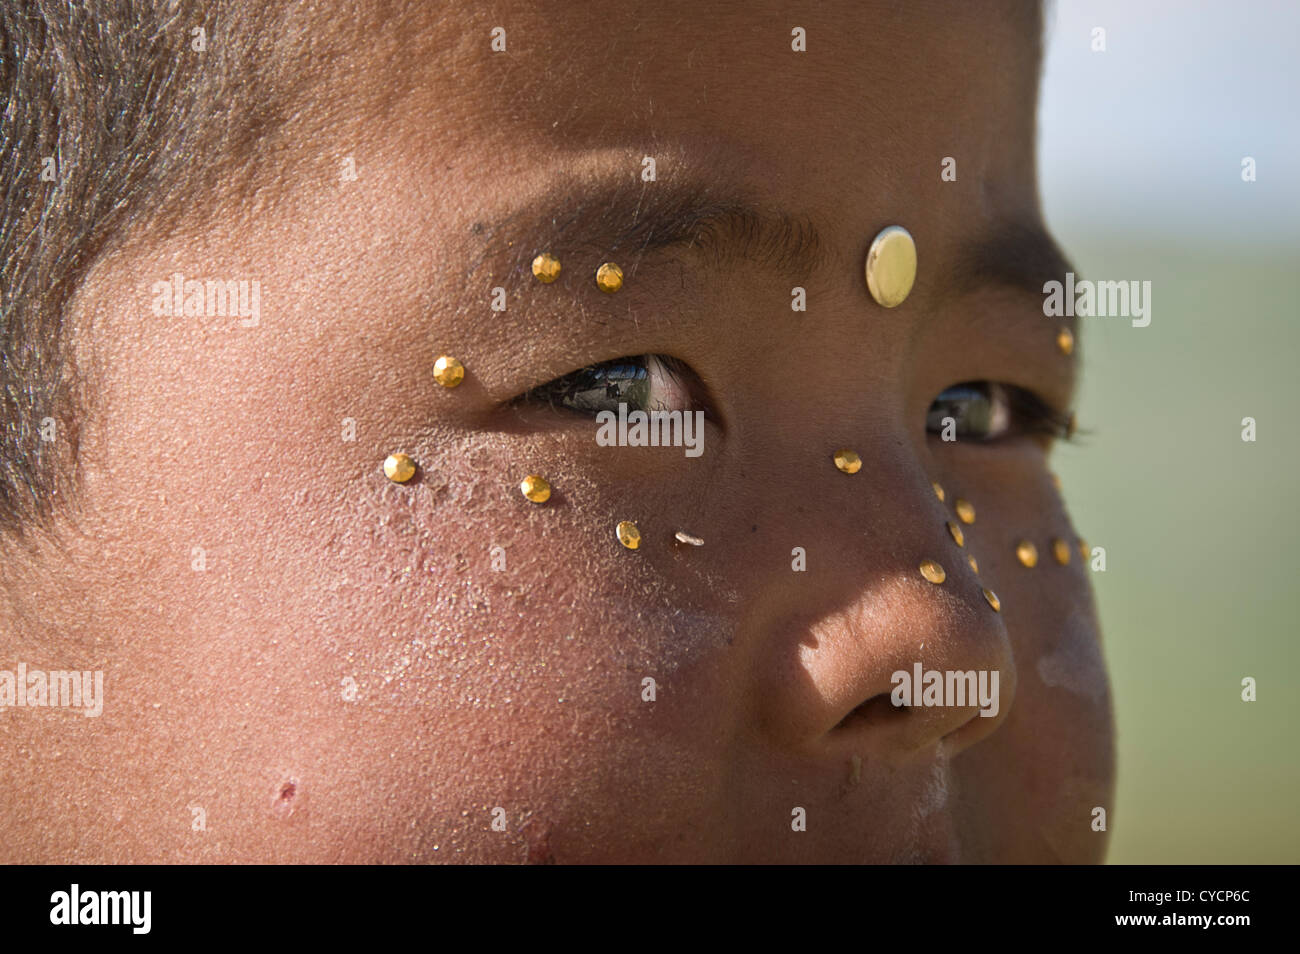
(891, 266)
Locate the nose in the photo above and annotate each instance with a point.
(864, 653)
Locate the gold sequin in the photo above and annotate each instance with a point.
(1027, 553)
(848, 461)
(891, 266)
(399, 468)
(1065, 341)
(993, 600)
(938, 491)
(973, 565)
(965, 510)
(546, 267)
(448, 372)
(1084, 551)
(535, 488)
(1061, 550)
(609, 278)
(933, 571)
(628, 534)
(681, 536)
(958, 537)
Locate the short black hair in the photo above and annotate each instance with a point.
(112, 107)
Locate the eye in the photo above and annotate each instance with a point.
(988, 411)
(645, 382)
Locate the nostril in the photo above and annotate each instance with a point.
(875, 710)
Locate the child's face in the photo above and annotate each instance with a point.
(363, 641)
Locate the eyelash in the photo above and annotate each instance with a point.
(1026, 413)
(633, 379)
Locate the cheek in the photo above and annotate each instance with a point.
(519, 655)
(1052, 762)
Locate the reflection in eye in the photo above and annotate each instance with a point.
(647, 382)
(987, 411)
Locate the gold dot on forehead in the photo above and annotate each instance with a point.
(1061, 550)
(399, 468)
(1083, 550)
(973, 565)
(933, 572)
(958, 537)
(1027, 553)
(848, 461)
(535, 488)
(965, 510)
(1065, 341)
(609, 278)
(448, 372)
(938, 491)
(891, 266)
(546, 267)
(993, 600)
(628, 534)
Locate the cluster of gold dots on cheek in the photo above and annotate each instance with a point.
(1061, 551)
(965, 511)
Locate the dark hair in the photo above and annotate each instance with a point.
(134, 107)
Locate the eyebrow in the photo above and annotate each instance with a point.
(1019, 255)
(638, 219)
(632, 219)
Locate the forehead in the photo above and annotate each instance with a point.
(889, 84)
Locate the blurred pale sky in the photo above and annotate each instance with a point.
(1146, 139)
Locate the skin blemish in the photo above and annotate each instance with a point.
(537, 837)
(287, 798)
(1075, 664)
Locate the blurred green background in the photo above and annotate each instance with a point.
(1140, 167)
(1199, 527)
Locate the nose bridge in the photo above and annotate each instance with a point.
(886, 609)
